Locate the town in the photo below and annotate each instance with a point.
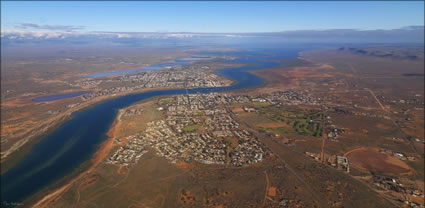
(178, 137)
(200, 127)
(173, 77)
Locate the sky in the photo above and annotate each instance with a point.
(208, 17)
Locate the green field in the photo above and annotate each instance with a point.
(191, 128)
(166, 100)
(260, 104)
(302, 122)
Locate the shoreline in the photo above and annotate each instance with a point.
(106, 145)
(59, 119)
(100, 153)
(97, 158)
(46, 126)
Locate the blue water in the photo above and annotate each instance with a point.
(76, 140)
(59, 96)
(179, 61)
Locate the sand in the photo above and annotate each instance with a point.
(97, 159)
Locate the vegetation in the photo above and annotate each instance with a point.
(275, 130)
(302, 122)
(166, 100)
(260, 104)
(191, 128)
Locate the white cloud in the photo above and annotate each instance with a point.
(120, 35)
(22, 34)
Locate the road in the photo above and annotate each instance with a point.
(412, 146)
(377, 100)
(267, 188)
(274, 147)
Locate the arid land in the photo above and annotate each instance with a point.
(361, 115)
(324, 105)
(25, 120)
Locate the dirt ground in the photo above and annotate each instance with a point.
(374, 161)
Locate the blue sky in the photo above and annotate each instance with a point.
(196, 16)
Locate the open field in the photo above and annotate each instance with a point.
(133, 124)
(371, 98)
(137, 187)
(285, 120)
(304, 123)
(373, 161)
(191, 128)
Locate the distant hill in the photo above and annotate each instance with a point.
(410, 53)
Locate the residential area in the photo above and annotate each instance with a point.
(200, 127)
(173, 77)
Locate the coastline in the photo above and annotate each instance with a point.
(98, 157)
(49, 125)
(53, 123)
(52, 193)
(100, 154)
(37, 133)
(106, 145)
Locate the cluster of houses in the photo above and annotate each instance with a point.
(129, 153)
(209, 112)
(189, 77)
(388, 183)
(341, 110)
(391, 184)
(133, 112)
(174, 77)
(246, 152)
(399, 155)
(200, 147)
(53, 111)
(200, 127)
(384, 182)
(196, 127)
(288, 97)
(110, 91)
(73, 105)
(204, 101)
(86, 82)
(333, 132)
(409, 100)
